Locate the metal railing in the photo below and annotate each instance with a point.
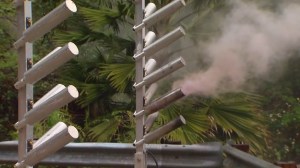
(208, 155)
(239, 159)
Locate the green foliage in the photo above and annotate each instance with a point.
(195, 130)
(5, 166)
(100, 18)
(115, 127)
(118, 74)
(6, 9)
(230, 117)
(283, 109)
(8, 73)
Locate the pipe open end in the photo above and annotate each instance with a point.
(182, 120)
(73, 91)
(181, 29)
(17, 125)
(182, 61)
(73, 132)
(183, 3)
(73, 48)
(17, 165)
(71, 6)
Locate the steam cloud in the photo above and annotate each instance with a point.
(253, 40)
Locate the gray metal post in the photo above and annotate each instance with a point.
(140, 158)
(25, 94)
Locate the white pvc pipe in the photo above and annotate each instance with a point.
(149, 38)
(49, 147)
(150, 121)
(48, 106)
(150, 92)
(161, 72)
(162, 131)
(162, 13)
(52, 92)
(56, 129)
(45, 58)
(161, 43)
(47, 23)
(164, 41)
(150, 66)
(51, 62)
(149, 9)
(163, 101)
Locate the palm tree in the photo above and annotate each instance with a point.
(104, 72)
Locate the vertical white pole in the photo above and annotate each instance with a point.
(140, 158)
(24, 18)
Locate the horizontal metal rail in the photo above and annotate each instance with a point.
(208, 155)
(237, 158)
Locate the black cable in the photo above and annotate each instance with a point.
(153, 157)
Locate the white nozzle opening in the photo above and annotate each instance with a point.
(73, 48)
(71, 6)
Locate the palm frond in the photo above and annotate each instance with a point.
(117, 126)
(91, 93)
(234, 116)
(104, 131)
(79, 34)
(119, 75)
(196, 123)
(238, 117)
(98, 19)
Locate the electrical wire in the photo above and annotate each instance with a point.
(153, 157)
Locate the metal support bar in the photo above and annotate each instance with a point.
(164, 130)
(161, 72)
(162, 13)
(139, 157)
(164, 101)
(161, 43)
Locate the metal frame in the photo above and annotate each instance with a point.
(140, 161)
(141, 26)
(27, 33)
(25, 94)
